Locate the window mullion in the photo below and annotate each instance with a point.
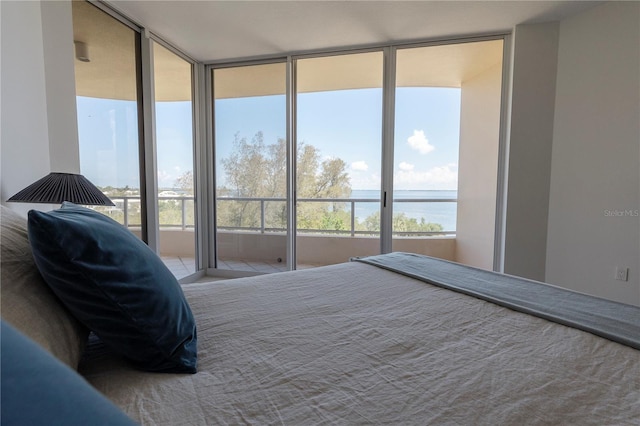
(148, 166)
(291, 163)
(388, 121)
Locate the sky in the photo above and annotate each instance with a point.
(348, 124)
(345, 124)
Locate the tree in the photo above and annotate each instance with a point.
(316, 180)
(402, 224)
(245, 171)
(256, 170)
(185, 182)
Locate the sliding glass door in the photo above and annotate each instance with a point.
(174, 148)
(447, 122)
(250, 167)
(426, 140)
(338, 146)
(109, 73)
(433, 109)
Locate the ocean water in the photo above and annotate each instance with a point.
(443, 213)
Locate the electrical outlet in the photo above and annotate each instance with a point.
(622, 274)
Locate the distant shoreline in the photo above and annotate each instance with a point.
(444, 213)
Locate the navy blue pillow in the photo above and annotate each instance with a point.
(116, 286)
(37, 389)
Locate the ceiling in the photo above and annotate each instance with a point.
(211, 31)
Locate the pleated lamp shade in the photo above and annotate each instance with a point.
(58, 187)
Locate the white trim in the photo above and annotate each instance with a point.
(208, 170)
(503, 155)
(149, 142)
(199, 164)
(388, 127)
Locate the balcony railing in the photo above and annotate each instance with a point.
(186, 219)
(127, 211)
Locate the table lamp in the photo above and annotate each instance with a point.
(58, 187)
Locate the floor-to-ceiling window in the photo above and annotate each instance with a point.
(377, 140)
(447, 121)
(339, 147)
(299, 169)
(174, 148)
(108, 115)
(109, 73)
(250, 127)
(426, 142)
(443, 105)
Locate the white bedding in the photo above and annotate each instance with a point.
(355, 344)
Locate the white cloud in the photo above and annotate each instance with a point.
(165, 178)
(365, 181)
(442, 177)
(419, 142)
(163, 174)
(406, 166)
(359, 165)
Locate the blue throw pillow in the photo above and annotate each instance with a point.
(37, 389)
(116, 286)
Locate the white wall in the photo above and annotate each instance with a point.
(337, 250)
(596, 154)
(531, 135)
(321, 250)
(59, 57)
(24, 132)
(478, 168)
(39, 129)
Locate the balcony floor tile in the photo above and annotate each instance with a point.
(184, 266)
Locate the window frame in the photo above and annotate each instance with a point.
(147, 134)
(388, 123)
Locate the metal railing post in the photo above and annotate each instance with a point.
(353, 218)
(184, 214)
(125, 208)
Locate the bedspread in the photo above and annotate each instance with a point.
(354, 344)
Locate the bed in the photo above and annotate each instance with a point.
(356, 344)
(360, 343)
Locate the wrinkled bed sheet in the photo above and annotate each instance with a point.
(354, 344)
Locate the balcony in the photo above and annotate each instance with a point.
(262, 248)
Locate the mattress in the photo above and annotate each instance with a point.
(355, 344)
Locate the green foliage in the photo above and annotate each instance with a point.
(185, 182)
(255, 171)
(402, 225)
